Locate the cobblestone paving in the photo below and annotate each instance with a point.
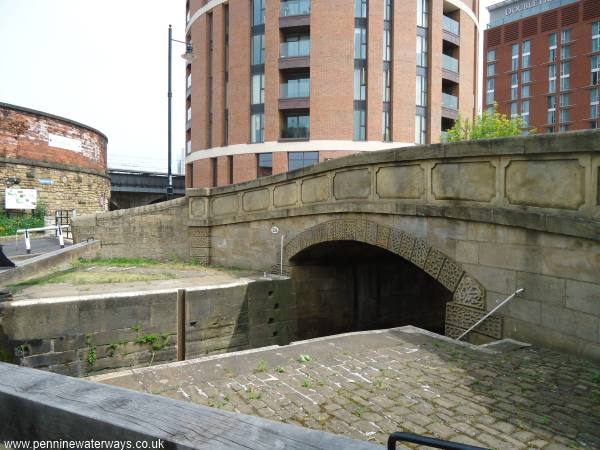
(368, 385)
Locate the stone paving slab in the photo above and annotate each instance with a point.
(369, 384)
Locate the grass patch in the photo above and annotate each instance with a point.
(77, 278)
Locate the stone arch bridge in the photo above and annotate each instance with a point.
(447, 228)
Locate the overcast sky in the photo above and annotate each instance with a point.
(102, 63)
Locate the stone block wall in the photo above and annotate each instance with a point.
(77, 336)
(158, 231)
(85, 191)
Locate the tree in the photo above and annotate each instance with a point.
(486, 126)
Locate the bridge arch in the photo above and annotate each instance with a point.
(467, 303)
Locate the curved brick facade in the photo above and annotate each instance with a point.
(63, 160)
(300, 81)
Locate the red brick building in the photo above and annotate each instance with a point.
(281, 84)
(542, 61)
(62, 160)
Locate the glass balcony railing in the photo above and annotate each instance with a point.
(295, 8)
(449, 63)
(295, 133)
(295, 89)
(451, 26)
(292, 49)
(449, 101)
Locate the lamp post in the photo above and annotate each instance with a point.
(189, 57)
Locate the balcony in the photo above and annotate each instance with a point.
(291, 8)
(451, 26)
(449, 106)
(295, 133)
(295, 53)
(449, 101)
(450, 68)
(451, 30)
(295, 94)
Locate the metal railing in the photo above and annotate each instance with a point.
(449, 101)
(449, 63)
(59, 233)
(451, 26)
(295, 8)
(427, 441)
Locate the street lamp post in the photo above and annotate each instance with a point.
(189, 57)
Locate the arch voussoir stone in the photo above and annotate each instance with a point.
(468, 302)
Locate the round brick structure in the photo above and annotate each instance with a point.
(65, 161)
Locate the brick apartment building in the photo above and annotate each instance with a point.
(281, 84)
(542, 61)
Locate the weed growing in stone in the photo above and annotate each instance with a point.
(252, 394)
(306, 383)
(304, 358)
(261, 366)
(279, 369)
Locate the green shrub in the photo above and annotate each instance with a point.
(10, 225)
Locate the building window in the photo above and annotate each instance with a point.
(564, 115)
(564, 128)
(360, 84)
(514, 112)
(264, 164)
(564, 100)
(526, 76)
(565, 52)
(491, 70)
(552, 78)
(490, 91)
(422, 13)
(360, 43)
(258, 49)
(297, 126)
(421, 51)
(360, 9)
(515, 57)
(420, 129)
(388, 11)
(596, 36)
(595, 70)
(552, 47)
(258, 12)
(257, 128)
(491, 56)
(297, 160)
(421, 90)
(514, 86)
(387, 45)
(525, 112)
(387, 86)
(525, 91)
(526, 56)
(565, 76)
(360, 125)
(258, 89)
(386, 126)
(594, 103)
(552, 109)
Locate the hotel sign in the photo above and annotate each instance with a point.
(523, 6)
(509, 11)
